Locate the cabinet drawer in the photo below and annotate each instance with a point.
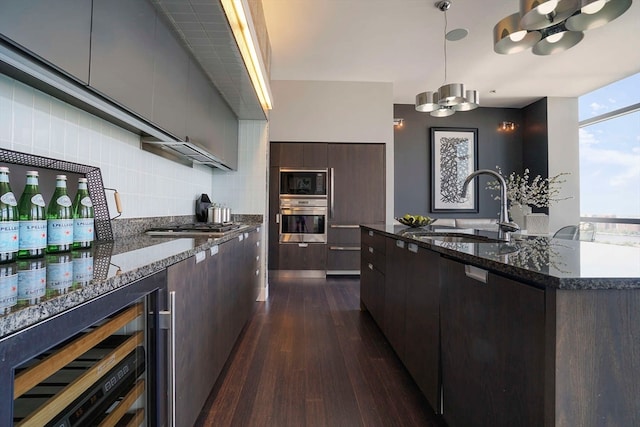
(373, 239)
(377, 259)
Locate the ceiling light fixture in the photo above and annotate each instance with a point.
(238, 15)
(450, 97)
(552, 26)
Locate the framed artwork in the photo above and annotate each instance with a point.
(454, 155)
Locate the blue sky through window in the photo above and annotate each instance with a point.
(610, 152)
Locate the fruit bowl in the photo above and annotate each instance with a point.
(415, 220)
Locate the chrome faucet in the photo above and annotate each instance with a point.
(505, 227)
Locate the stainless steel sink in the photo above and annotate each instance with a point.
(451, 237)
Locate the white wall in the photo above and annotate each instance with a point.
(35, 123)
(314, 111)
(564, 156)
(245, 190)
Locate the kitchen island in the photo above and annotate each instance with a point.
(536, 331)
(133, 284)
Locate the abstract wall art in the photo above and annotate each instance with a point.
(454, 155)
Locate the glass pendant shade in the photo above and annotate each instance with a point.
(557, 39)
(537, 14)
(451, 94)
(509, 37)
(443, 112)
(471, 102)
(427, 102)
(596, 13)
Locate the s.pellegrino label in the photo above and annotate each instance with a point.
(9, 224)
(59, 273)
(83, 223)
(8, 287)
(82, 267)
(33, 221)
(32, 281)
(59, 218)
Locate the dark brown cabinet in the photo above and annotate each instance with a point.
(215, 293)
(422, 320)
(298, 154)
(395, 291)
(194, 307)
(356, 196)
(358, 175)
(372, 276)
(488, 350)
(493, 347)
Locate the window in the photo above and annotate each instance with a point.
(610, 161)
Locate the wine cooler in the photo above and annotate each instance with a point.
(107, 373)
(95, 378)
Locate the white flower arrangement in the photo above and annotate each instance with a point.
(540, 192)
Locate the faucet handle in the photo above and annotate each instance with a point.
(509, 226)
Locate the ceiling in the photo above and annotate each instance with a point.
(402, 42)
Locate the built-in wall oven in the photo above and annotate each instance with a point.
(303, 220)
(303, 205)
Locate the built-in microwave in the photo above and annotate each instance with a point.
(303, 182)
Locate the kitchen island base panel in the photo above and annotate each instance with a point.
(595, 368)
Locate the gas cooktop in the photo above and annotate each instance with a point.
(195, 229)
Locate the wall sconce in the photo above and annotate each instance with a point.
(398, 123)
(507, 126)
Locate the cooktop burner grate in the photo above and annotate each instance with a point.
(204, 227)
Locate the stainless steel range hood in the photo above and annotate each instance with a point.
(182, 150)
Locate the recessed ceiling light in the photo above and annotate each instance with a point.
(457, 34)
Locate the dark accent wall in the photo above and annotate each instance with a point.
(413, 158)
(535, 152)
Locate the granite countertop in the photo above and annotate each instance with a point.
(107, 266)
(542, 261)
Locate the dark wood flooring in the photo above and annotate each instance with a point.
(310, 357)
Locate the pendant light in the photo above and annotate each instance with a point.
(552, 26)
(450, 97)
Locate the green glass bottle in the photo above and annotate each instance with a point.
(8, 287)
(9, 225)
(59, 274)
(83, 233)
(59, 218)
(82, 267)
(33, 220)
(32, 281)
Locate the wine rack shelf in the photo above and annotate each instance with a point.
(94, 378)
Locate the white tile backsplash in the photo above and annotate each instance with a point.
(245, 191)
(36, 123)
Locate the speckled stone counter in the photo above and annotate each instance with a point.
(543, 261)
(108, 266)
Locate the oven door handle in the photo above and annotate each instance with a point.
(305, 211)
(332, 190)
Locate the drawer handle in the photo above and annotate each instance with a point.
(370, 266)
(476, 273)
(371, 233)
(400, 244)
(413, 248)
(345, 226)
(303, 245)
(370, 249)
(344, 248)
